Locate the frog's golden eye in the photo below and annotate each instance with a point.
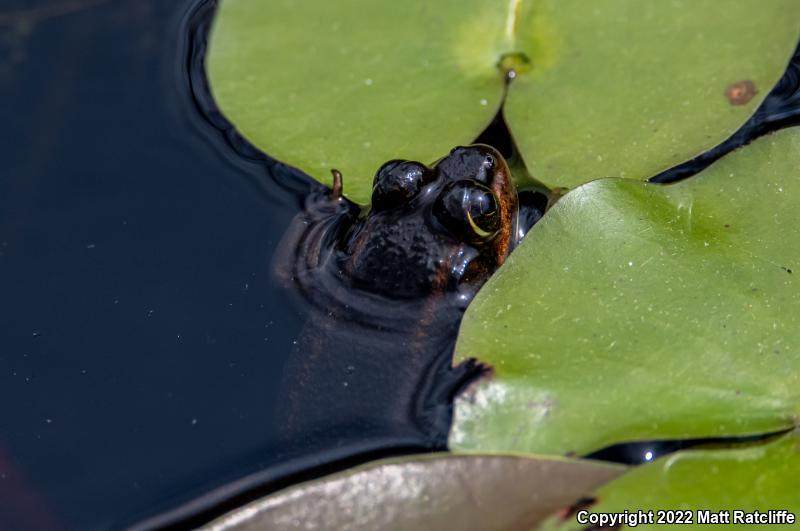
(469, 210)
(397, 182)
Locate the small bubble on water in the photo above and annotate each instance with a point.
(368, 82)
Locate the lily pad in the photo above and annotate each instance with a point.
(638, 311)
(351, 84)
(756, 478)
(618, 88)
(433, 492)
(621, 88)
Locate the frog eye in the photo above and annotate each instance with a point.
(469, 210)
(397, 182)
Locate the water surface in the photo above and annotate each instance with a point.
(142, 336)
(141, 332)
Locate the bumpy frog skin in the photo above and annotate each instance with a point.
(387, 287)
(434, 230)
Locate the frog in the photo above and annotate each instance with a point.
(385, 286)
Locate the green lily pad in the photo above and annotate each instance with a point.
(432, 492)
(618, 88)
(760, 478)
(351, 84)
(638, 311)
(621, 88)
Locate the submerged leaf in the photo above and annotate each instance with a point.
(483, 493)
(639, 311)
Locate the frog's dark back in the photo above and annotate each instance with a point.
(388, 286)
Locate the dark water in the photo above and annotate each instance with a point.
(636, 453)
(141, 334)
(142, 337)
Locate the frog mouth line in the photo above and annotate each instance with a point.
(506, 193)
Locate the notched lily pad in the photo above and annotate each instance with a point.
(351, 84)
(761, 477)
(637, 311)
(628, 89)
(433, 492)
(620, 88)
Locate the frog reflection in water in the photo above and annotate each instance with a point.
(388, 286)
